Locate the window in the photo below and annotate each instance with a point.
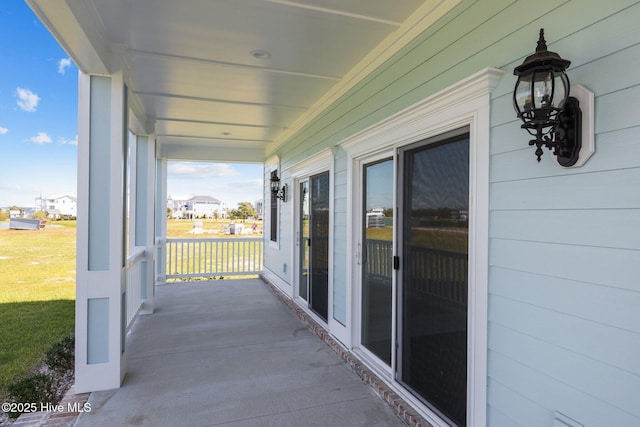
(274, 211)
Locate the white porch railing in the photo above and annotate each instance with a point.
(135, 271)
(210, 257)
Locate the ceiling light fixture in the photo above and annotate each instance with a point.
(260, 54)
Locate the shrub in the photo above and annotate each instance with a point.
(61, 356)
(35, 388)
(42, 388)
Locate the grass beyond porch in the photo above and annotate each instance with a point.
(38, 285)
(37, 295)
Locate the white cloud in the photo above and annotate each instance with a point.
(65, 141)
(63, 64)
(3, 130)
(40, 138)
(191, 170)
(27, 100)
(230, 183)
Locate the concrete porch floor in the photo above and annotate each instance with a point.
(231, 353)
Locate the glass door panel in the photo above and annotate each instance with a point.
(434, 186)
(304, 240)
(319, 244)
(377, 258)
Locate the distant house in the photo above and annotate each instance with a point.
(59, 205)
(196, 207)
(375, 218)
(258, 205)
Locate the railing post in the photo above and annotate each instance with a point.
(160, 221)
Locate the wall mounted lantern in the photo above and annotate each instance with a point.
(276, 191)
(541, 99)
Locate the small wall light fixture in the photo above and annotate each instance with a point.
(541, 100)
(276, 190)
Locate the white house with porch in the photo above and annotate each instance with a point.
(196, 207)
(58, 204)
(521, 311)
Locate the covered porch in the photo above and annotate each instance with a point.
(230, 352)
(523, 271)
(227, 81)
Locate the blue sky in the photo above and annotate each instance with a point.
(38, 110)
(38, 124)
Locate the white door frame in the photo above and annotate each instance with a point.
(358, 164)
(319, 163)
(466, 103)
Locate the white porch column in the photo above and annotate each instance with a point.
(161, 221)
(143, 202)
(102, 132)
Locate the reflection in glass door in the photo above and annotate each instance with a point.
(313, 243)
(377, 258)
(434, 232)
(304, 240)
(319, 244)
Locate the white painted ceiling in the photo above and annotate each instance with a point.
(194, 81)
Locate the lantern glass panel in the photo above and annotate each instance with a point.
(542, 90)
(523, 96)
(561, 89)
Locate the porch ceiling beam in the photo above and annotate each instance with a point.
(201, 137)
(82, 36)
(335, 12)
(211, 153)
(171, 57)
(220, 101)
(213, 122)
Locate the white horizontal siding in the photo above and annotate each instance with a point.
(564, 324)
(583, 337)
(615, 189)
(519, 407)
(615, 150)
(605, 382)
(606, 306)
(617, 268)
(525, 382)
(607, 228)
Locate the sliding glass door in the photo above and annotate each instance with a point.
(433, 276)
(313, 225)
(414, 250)
(319, 244)
(304, 243)
(377, 258)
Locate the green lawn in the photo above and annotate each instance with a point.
(180, 228)
(37, 290)
(37, 294)
(446, 239)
